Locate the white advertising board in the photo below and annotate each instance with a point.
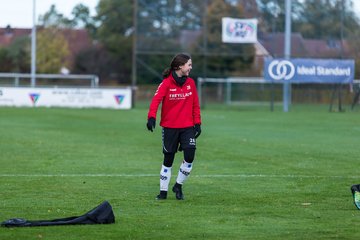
(66, 97)
(236, 30)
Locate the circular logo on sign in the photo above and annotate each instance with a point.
(283, 69)
(239, 29)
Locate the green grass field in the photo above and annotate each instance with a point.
(257, 174)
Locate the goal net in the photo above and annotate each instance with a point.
(233, 90)
(254, 91)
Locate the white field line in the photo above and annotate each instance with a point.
(196, 176)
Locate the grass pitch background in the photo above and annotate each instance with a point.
(257, 174)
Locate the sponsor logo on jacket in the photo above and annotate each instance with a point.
(179, 96)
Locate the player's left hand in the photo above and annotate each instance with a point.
(197, 129)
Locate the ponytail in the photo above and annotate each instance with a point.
(166, 72)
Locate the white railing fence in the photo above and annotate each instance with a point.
(23, 79)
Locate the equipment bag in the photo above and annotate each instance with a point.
(355, 190)
(102, 214)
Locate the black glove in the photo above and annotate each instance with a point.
(151, 124)
(197, 129)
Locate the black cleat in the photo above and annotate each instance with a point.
(177, 189)
(162, 195)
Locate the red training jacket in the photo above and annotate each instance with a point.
(180, 105)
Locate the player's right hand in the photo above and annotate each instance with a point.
(151, 124)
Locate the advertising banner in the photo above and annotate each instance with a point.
(66, 97)
(236, 30)
(303, 70)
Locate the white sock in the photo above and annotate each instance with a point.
(184, 171)
(165, 175)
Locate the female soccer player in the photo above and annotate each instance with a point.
(180, 121)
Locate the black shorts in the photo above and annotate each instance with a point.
(172, 137)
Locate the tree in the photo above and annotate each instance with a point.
(336, 13)
(19, 52)
(164, 21)
(82, 19)
(163, 29)
(167, 18)
(94, 60)
(308, 17)
(273, 14)
(115, 21)
(54, 19)
(52, 51)
(6, 64)
(225, 59)
(16, 57)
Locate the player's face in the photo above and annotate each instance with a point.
(186, 68)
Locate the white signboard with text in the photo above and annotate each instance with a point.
(236, 30)
(66, 97)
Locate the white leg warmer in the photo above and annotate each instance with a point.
(165, 176)
(184, 171)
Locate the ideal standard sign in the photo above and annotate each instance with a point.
(302, 70)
